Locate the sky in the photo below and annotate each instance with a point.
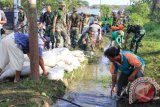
(110, 2)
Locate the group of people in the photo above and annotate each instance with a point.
(14, 45)
(117, 36)
(69, 28)
(131, 66)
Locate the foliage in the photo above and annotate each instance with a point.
(151, 55)
(139, 13)
(137, 19)
(6, 3)
(106, 10)
(152, 31)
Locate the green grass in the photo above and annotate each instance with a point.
(28, 93)
(150, 52)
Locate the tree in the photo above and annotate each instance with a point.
(33, 39)
(155, 14)
(6, 3)
(106, 10)
(139, 13)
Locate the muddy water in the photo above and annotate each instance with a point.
(88, 90)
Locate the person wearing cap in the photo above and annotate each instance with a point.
(22, 20)
(87, 41)
(127, 63)
(74, 28)
(47, 19)
(59, 25)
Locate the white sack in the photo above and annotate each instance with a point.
(55, 74)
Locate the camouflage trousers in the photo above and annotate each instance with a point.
(135, 42)
(74, 36)
(60, 31)
(87, 47)
(49, 36)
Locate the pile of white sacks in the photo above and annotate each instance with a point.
(56, 61)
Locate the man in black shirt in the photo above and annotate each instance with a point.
(48, 20)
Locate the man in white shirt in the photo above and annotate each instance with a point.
(98, 33)
(3, 20)
(91, 19)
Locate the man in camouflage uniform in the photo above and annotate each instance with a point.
(87, 41)
(48, 20)
(60, 25)
(80, 22)
(74, 28)
(22, 20)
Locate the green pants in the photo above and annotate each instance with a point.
(60, 31)
(74, 36)
(51, 34)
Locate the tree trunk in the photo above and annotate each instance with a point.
(155, 5)
(33, 39)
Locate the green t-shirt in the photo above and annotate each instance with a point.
(60, 16)
(110, 21)
(74, 19)
(114, 35)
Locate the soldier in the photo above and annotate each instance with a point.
(22, 20)
(59, 25)
(73, 28)
(48, 20)
(85, 23)
(87, 41)
(80, 22)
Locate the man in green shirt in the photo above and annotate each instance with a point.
(59, 25)
(74, 28)
(87, 41)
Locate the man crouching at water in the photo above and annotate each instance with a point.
(12, 50)
(129, 65)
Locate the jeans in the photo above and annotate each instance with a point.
(123, 81)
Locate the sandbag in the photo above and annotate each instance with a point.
(55, 74)
(60, 64)
(68, 68)
(77, 53)
(49, 59)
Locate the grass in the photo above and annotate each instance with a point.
(150, 52)
(28, 93)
